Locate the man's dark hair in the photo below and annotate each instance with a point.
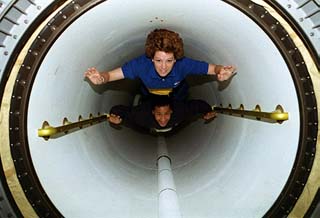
(160, 100)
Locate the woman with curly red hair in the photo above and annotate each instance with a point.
(163, 68)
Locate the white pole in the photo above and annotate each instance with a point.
(167, 195)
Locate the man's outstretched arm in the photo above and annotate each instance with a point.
(197, 106)
(118, 113)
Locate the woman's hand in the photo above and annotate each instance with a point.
(225, 73)
(115, 119)
(96, 77)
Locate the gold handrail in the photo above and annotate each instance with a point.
(48, 131)
(276, 116)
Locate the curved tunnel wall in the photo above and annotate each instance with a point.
(124, 168)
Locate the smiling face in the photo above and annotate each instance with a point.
(162, 114)
(163, 62)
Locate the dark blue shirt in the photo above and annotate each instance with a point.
(143, 68)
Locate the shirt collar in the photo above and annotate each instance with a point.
(163, 130)
(155, 75)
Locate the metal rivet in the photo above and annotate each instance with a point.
(76, 7)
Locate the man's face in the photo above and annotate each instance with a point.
(162, 114)
(163, 62)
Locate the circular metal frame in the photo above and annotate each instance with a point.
(272, 27)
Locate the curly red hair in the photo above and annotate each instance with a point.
(164, 40)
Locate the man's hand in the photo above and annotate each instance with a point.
(209, 116)
(115, 119)
(225, 73)
(95, 76)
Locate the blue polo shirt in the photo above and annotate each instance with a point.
(142, 67)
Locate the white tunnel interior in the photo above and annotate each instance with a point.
(231, 167)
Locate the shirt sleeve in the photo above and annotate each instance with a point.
(185, 111)
(195, 107)
(137, 117)
(133, 68)
(123, 111)
(189, 66)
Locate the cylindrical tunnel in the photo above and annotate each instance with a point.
(231, 167)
